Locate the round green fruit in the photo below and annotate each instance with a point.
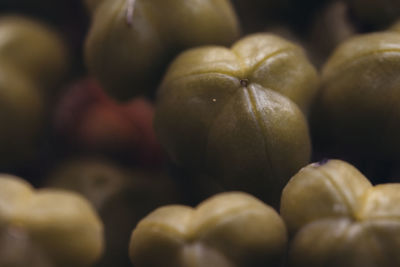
(131, 42)
(357, 106)
(34, 49)
(21, 117)
(337, 218)
(231, 114)
(62, 225)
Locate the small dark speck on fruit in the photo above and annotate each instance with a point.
(323, 161)
(244, 82)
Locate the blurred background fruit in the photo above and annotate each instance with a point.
(88, 121)
(33, 63)
(35, 49)
(356, 112)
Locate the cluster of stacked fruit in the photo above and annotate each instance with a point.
(181, 133)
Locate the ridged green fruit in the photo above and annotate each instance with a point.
(228, 230)
(62, 224)
(337, 218)
(236, 114)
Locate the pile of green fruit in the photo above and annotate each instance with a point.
(199, 133)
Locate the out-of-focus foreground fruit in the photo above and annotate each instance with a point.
(61, 225)
(227, 230)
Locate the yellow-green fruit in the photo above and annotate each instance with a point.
(228, 230)
(358, 103)
(337, 218)
(131, 42)
(63, 224)
(232, 115)
(21, 116)
(34, 49)
(17, 249)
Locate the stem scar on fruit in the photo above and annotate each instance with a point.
(129, 11)
(244, 82)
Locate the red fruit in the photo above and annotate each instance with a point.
(90, 121)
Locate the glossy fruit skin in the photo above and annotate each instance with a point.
(356, 108)
(337, 218)
(62, 223)
(219, 112)
(210, 234)
(128, 58)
